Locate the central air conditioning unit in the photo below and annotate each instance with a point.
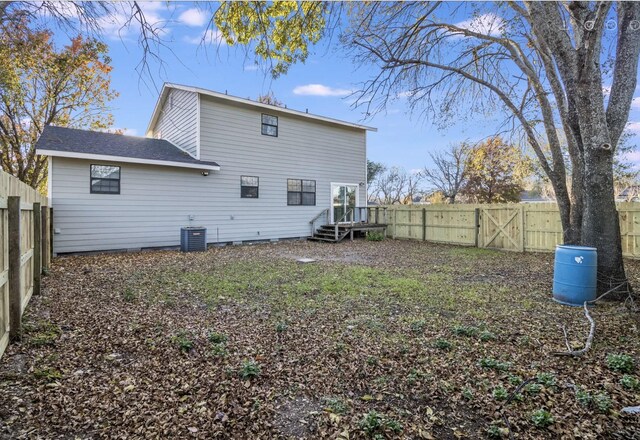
(193, 239)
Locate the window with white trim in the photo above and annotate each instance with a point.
(249, 187)
(269, 125)
(301, 192)
(105, 179)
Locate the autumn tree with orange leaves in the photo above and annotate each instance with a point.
(41, 85)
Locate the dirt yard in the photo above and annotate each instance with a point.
(373, 340)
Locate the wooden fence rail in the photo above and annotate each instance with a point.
(533, 227)
(25, 252)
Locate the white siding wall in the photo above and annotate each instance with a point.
(304, 149)
(178, 120)
(156, 201)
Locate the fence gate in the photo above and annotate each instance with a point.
(502, 227)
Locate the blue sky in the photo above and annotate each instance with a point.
(321, 85)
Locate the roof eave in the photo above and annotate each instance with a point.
(124, 159)
(156, 110)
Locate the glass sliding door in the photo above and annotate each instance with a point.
(344, 200)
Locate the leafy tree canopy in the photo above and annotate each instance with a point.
(42, 85)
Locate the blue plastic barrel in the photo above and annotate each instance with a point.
(575, 274)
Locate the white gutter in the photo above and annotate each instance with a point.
(107, 158)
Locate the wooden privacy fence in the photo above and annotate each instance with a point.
(25, 252)
(524, 227)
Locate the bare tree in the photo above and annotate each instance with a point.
(540, 63)
(395, 186)
(448, 174)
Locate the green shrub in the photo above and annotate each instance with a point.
(372, 423)
(541, 418)
(249, 370)
(486, 336)
(515, 380)
(500, 393)
(533, 388)
(216, 338)
(602, 402)
(622, 363)
(128, 295)
(465, 330)
(467, 393)
(584, 397)
(335, 405)
(375, 424)
(546, 379)
(418, 326)
(494, 364)
(375, 236)
(48, 374)
(629, 382)
(496, 431)
(218, 350)
(281, 327)
(182, 341)
(46, 336)
(443, 344)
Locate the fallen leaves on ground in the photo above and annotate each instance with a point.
(392, 339)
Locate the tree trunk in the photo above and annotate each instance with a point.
(600, 222)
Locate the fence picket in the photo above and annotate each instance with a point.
(23, 212)
(531, 227)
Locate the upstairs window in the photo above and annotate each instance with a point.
(301, 192)
(105, 179)
(269, 125)
(249, 187)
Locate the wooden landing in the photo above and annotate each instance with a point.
(328, 233)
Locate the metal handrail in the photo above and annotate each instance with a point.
(324, 211)
(335, 226)
(313, 220)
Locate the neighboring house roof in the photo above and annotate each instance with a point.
(167, 86)
(533, 197)
(97, 145)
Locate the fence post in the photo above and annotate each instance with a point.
(476, 223)
(395, 223)
(424, 224)
(46, 251)
(522, 243)
(51, 233)
(15, 289)
(37, 248)
(377, 215)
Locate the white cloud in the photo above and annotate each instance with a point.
(129, 131)
(213, 36)
(488, 24)
(635, 103)
(119, 24)
(251, 67)
(320, 90)
(633, 127)
(406, 94)
(606, 90)
(193, 17)
(125, 131)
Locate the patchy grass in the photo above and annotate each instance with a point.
(392, 339)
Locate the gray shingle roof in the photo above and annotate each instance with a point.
(72, 140)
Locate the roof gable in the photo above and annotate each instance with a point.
(246, 102)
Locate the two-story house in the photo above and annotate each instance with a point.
(245, 170)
